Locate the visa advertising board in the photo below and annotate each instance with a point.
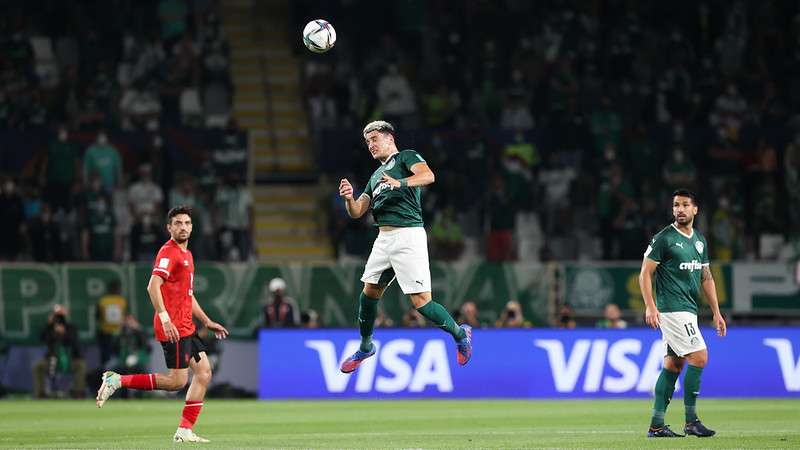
(583, 363)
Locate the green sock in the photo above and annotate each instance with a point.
(665, 387)
(442, 319)
(367, 309)
(691, 387)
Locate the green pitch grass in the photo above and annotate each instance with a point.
(394, 424)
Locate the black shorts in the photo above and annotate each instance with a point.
(177, 354)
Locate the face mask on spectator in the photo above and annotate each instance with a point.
(610, 153)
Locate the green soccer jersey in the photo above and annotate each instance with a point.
(680, 259)
(399, 207)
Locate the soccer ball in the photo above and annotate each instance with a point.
(319, 36)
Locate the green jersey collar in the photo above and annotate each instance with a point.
(687, 236)
(390, 158)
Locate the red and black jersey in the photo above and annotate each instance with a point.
(176, 266)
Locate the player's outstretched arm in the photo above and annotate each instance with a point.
(355, 208)
(219, 331)
(646, 285)
(423, 176)
(710, 290)
(154, 291)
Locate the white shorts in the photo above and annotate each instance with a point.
(401, 254)
(680, 332)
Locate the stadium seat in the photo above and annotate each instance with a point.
(191, 108)
(216, 99)
(46, 66)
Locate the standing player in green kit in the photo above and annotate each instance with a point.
(401, 248)
(678, 256)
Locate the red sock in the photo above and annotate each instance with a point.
(144, 382)
(190, 412)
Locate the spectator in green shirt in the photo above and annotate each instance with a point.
(104, 159)
(172, 14)
(59, 171)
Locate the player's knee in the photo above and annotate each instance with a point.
(673, 364)
(373, 290)
(203, 377)
(699, 361)
(421, 299)
(176, 382)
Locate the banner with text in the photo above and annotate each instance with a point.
(520, 364)
(235, 294)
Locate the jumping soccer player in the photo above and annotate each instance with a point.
(170, 290)
(401, 248)
(678, 256)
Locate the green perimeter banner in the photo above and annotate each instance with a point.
(590, 286)
(234, 294)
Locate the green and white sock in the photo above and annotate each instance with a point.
(665, 387)
(437, 314)
(367, 310)
(691, 388)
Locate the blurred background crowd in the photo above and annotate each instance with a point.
(88, 76)
(556, 140)
(561, 137)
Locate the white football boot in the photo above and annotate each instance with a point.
(111, 382)
(187, 435)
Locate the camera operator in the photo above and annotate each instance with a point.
(512, 317)
(63, 357)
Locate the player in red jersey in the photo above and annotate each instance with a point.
(170, 290)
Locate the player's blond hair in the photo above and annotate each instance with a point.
(379, 125)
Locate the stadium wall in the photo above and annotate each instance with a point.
(235, 293)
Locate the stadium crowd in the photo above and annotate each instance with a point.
(89, 75)
(576, 124)
(559, 140)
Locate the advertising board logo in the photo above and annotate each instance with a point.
(593, 356)
(790, 370)
(399, 365)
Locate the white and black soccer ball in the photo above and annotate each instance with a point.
(319, 36)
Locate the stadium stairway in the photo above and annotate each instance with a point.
(289, 223)
(268, 102)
